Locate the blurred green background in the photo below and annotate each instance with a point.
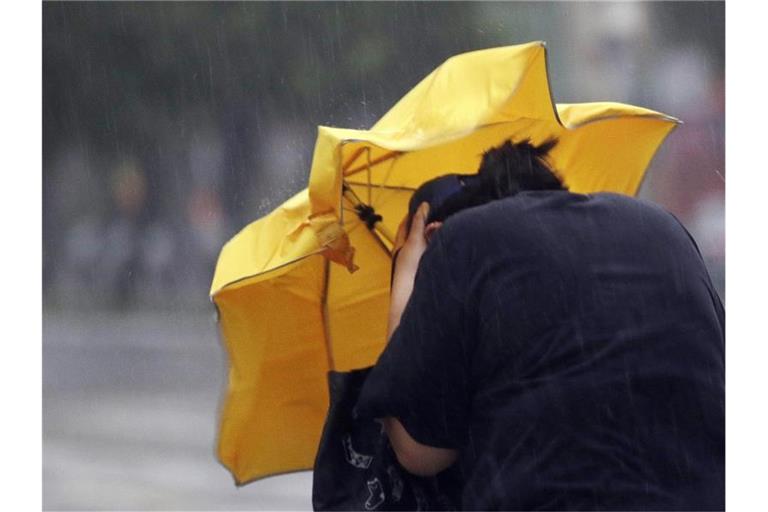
(169, 126)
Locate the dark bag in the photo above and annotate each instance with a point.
(356, 469)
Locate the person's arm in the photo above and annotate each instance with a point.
(408, 250)
(417, 458)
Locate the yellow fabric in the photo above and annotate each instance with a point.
(288, 312)
(275, 387)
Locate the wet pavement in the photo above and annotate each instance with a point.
(130, 405)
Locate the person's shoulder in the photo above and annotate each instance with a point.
(647, 210)
(515, 212)
(511, 208)
(604, 202)
(509, 215)
(625, 201)
(637, 215)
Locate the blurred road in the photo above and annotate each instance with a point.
(130, 404)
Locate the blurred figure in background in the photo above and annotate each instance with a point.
(120, 261)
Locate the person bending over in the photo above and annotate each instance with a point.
(562, 350)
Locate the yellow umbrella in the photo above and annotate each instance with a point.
(288, 312)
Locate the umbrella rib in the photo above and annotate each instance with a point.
(326, 317)
(388, 187)
(353, 158)
(377, 236)
(368, 172)
(375, 161)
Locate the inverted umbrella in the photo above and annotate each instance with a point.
(305, 289)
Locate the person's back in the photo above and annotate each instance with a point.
(570, 347)
(566, 350)
(597, 363)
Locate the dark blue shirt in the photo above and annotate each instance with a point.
(571, 348)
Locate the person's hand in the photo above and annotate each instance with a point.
(401, 236)
(409, 246)
(413, 243)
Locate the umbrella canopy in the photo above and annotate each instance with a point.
(305, 289)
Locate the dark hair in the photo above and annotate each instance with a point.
(504, 171)
(507, 169)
